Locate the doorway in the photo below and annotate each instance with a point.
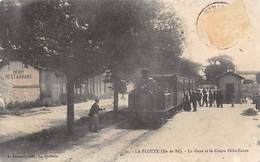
(229, 91)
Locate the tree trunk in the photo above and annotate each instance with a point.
(116, 91)
(70, 106)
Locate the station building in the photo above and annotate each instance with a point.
(229, 83)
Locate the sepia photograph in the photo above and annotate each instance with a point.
(129, 81)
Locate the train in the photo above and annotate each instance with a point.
(155, 108)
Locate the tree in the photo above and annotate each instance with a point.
(83, 38)
(189, 68)
(138, 34)
(48, 35)
(218, 65)
(257, 76)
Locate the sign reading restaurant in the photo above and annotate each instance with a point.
(19, 83)
(18, 74)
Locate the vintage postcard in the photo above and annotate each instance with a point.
(129, 81)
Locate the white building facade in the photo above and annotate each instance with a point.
(20, 83)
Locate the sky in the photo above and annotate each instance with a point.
(239, 37)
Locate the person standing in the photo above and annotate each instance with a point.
(147, 84)
(193, 100)
(199, 97)
(94, 115)
(205, 98)
(187, 105)
(220, 96)
(215, 99)
(211, 98)
(232, 98)
(204, 91)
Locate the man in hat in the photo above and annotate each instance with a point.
(232, 99)
(146, 83)
(205, 98)
(94, 115)
(211, 98)
(220, 98)
(143, 83)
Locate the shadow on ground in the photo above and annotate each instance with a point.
(55, 139)
(249, 112)
(135, 123)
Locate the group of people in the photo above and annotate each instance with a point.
(202, 98)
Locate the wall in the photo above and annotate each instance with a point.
(97, 87)
(53, 87)
(19, 83)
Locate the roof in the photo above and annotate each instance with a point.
(230, 73)
(169, 76)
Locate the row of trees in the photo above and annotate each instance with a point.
(221, 64)
(84, 38)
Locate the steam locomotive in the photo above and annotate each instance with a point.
(155, 107)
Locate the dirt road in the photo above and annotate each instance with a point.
(209, 135)
(12, 127)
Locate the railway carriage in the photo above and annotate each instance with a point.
(156, 107)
